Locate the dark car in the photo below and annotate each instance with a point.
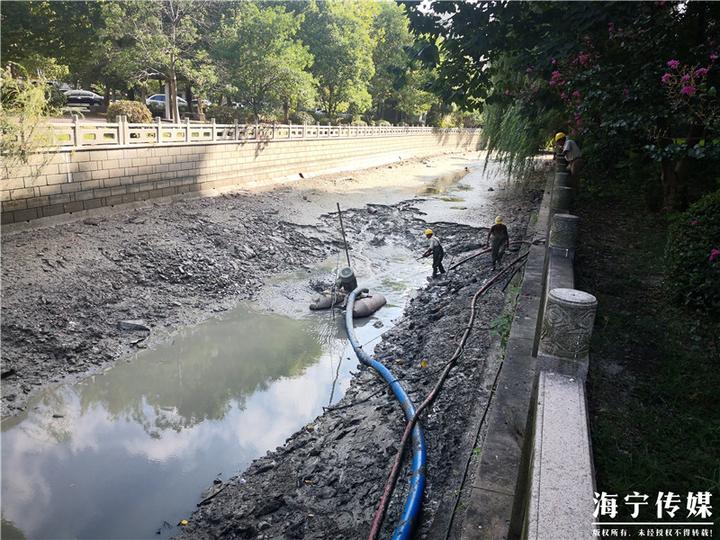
(84, 97)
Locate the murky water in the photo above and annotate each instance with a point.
(126, 454)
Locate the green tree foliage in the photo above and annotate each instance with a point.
(340, 36)
(262, 59)
(25, 106)
(400, 82)
(158, 38)
(593, 69)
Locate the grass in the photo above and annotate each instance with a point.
(654, 376)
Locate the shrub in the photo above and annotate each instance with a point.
(223, 114)
(302, 117)
(692, 254)
(359, 122)
(135, 111)
(383, 123)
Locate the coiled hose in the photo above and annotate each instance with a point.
(411, 510)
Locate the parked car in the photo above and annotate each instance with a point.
(157, 101)
(84, 97)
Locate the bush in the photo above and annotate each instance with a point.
(135, 111)
(223, 114)
(383, 123)
(692, 254)
(302, 117)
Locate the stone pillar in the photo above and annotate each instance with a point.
(563, 235)
(567, 327)
(561, 197)
(562, 179)
(561, 164)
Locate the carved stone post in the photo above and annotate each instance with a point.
(561, 164)
(566, 330)
(561, 198)
(563, 235)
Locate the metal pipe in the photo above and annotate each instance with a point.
(411, 510)
(342, 229)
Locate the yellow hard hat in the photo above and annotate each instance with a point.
(499, 220)
(427, 231)
(559, 135)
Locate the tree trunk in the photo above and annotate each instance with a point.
(106, 96)
(174, 98)
(131, 93)
(286, 110)
(167, 99)
(189, 98)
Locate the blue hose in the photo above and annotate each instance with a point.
(404, 529)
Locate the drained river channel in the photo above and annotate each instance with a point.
(129, 452)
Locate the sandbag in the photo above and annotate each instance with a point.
(366, 306)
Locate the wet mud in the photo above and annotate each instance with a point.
(326, 481)
(78, 297)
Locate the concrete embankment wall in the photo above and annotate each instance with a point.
(80, 180)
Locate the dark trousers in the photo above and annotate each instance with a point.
(438, 255)
(498, 249)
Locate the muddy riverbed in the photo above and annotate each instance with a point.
(80, 296)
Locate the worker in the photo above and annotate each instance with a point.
(437, 251)
(570, 151)
(499, 239)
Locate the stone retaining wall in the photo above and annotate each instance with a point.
(79, 180)
(535, 477)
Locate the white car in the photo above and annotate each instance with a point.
(158, 101)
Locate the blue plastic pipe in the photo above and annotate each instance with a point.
(404, 528)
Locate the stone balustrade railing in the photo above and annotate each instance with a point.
(81, 134)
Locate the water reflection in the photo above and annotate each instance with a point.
(116, 455)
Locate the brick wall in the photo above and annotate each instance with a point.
(80, 180)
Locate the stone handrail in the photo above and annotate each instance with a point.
(83, 134)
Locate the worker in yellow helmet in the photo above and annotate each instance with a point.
(569, 149)
(437, 251)
(499, 239)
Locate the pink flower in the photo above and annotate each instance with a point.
(673, 64)
(688, 90)
(577, 95)
(553, 61)
(694, 222)
(583, 59)
(714, 254)
(563, 95)
(555, 75)
(685, 78)
(701, 72)
(713, 57)
(666, 78)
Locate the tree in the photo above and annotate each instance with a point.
(340, 36)
(158, 38)
(520, 62)
(262, 59)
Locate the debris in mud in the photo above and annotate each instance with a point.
(133, 325)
